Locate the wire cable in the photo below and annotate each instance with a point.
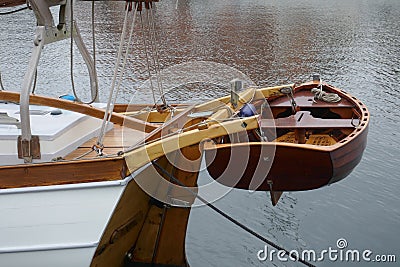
(14, 11)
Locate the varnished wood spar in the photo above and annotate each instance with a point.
(261, 92)
(213, 105)
(140, 156)
(120, 108)
(80, 108)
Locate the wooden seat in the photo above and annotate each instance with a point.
(314, 139)
(304, 120)
(304, 99)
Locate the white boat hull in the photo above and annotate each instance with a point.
(55, 225)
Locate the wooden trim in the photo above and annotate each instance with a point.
(138, 107)
(266, 92)
(80, 108)
(65, 172)
(140, 156)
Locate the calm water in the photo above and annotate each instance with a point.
(352, 44)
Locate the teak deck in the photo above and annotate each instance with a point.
(117, 139)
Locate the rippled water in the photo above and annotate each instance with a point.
(353, 44)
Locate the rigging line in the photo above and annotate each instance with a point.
(84, 154)
(72, 49)
(116, 67)
(150, 37)
(13, 11)
(34, 83)
(94, 45)
(122, 72)
(230, 218)
(147, 59)
(149, 32)
(157, 57)
(154, 47)
(1, 83)
(72, 58)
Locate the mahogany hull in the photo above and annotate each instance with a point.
(295, 167)
(347, 157)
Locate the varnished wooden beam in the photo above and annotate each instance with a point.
(140, 156)
(80, 108)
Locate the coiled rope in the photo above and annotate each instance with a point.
(230, 218)
(324, 96)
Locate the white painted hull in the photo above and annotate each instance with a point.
(55, 225)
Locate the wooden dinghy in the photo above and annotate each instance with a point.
(316, 143)
(91, 185)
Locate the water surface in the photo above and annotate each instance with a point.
(354, 45)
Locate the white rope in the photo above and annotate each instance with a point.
(124, 63)
(154, 48)
(110, 104)
(324, 96)
(147, 59)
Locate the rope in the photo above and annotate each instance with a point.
(111, 99)
(154, 47)
(13, 11)
(72, 55)
(1, 83)
(94, 41)
(122, 72)
(34, 83)
(324, 96)
(147, 59)
(228, 217)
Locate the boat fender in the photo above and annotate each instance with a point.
(68, 97)
(247, 110)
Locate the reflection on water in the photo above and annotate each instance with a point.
(353, 44)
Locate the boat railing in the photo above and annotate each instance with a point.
(47, 32)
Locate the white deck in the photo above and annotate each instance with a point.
(59, 135)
